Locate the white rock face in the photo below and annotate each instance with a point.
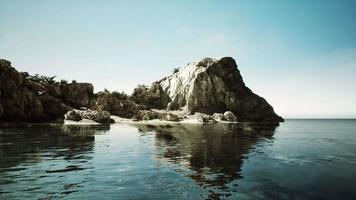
(182, 88)
(215, 86)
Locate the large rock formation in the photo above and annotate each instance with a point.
(23, 99)
(196, 91)
(17, 101)
(215, 86)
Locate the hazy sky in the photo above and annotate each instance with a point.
(299, 55)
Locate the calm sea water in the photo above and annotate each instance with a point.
(300, 159)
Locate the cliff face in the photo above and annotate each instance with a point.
(17, 101)
(215, 86)
(24, 100)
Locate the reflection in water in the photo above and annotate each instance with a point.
(179, 161)
(214, 153)
(23, 147)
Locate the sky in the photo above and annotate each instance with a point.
(299, 55)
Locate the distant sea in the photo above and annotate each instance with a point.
(300, 159)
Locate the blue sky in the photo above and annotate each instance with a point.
(299, 55)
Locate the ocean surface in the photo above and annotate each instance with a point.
(300, 159)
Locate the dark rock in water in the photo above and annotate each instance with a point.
(78, 94)
(97, 116)
(153, 97)
(210, 86)
(106, 101)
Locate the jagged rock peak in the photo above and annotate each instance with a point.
(215, 86)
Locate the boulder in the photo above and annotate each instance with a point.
(102, 117)
(147, 115)
(215, 86)
(97, 116)
(230, 116)
(73, 115)
(201, 118)
(218, 117)
(171, 117)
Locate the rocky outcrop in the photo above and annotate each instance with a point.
(17, 101)
(215, 86)
(115, 104)
(206, 91)
(25, 100)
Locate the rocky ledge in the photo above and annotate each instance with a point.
(207, 91)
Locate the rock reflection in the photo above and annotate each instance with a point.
(214, 153)
(23, 143)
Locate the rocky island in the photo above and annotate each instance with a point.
(206, 91)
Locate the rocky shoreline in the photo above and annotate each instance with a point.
(207, 91)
